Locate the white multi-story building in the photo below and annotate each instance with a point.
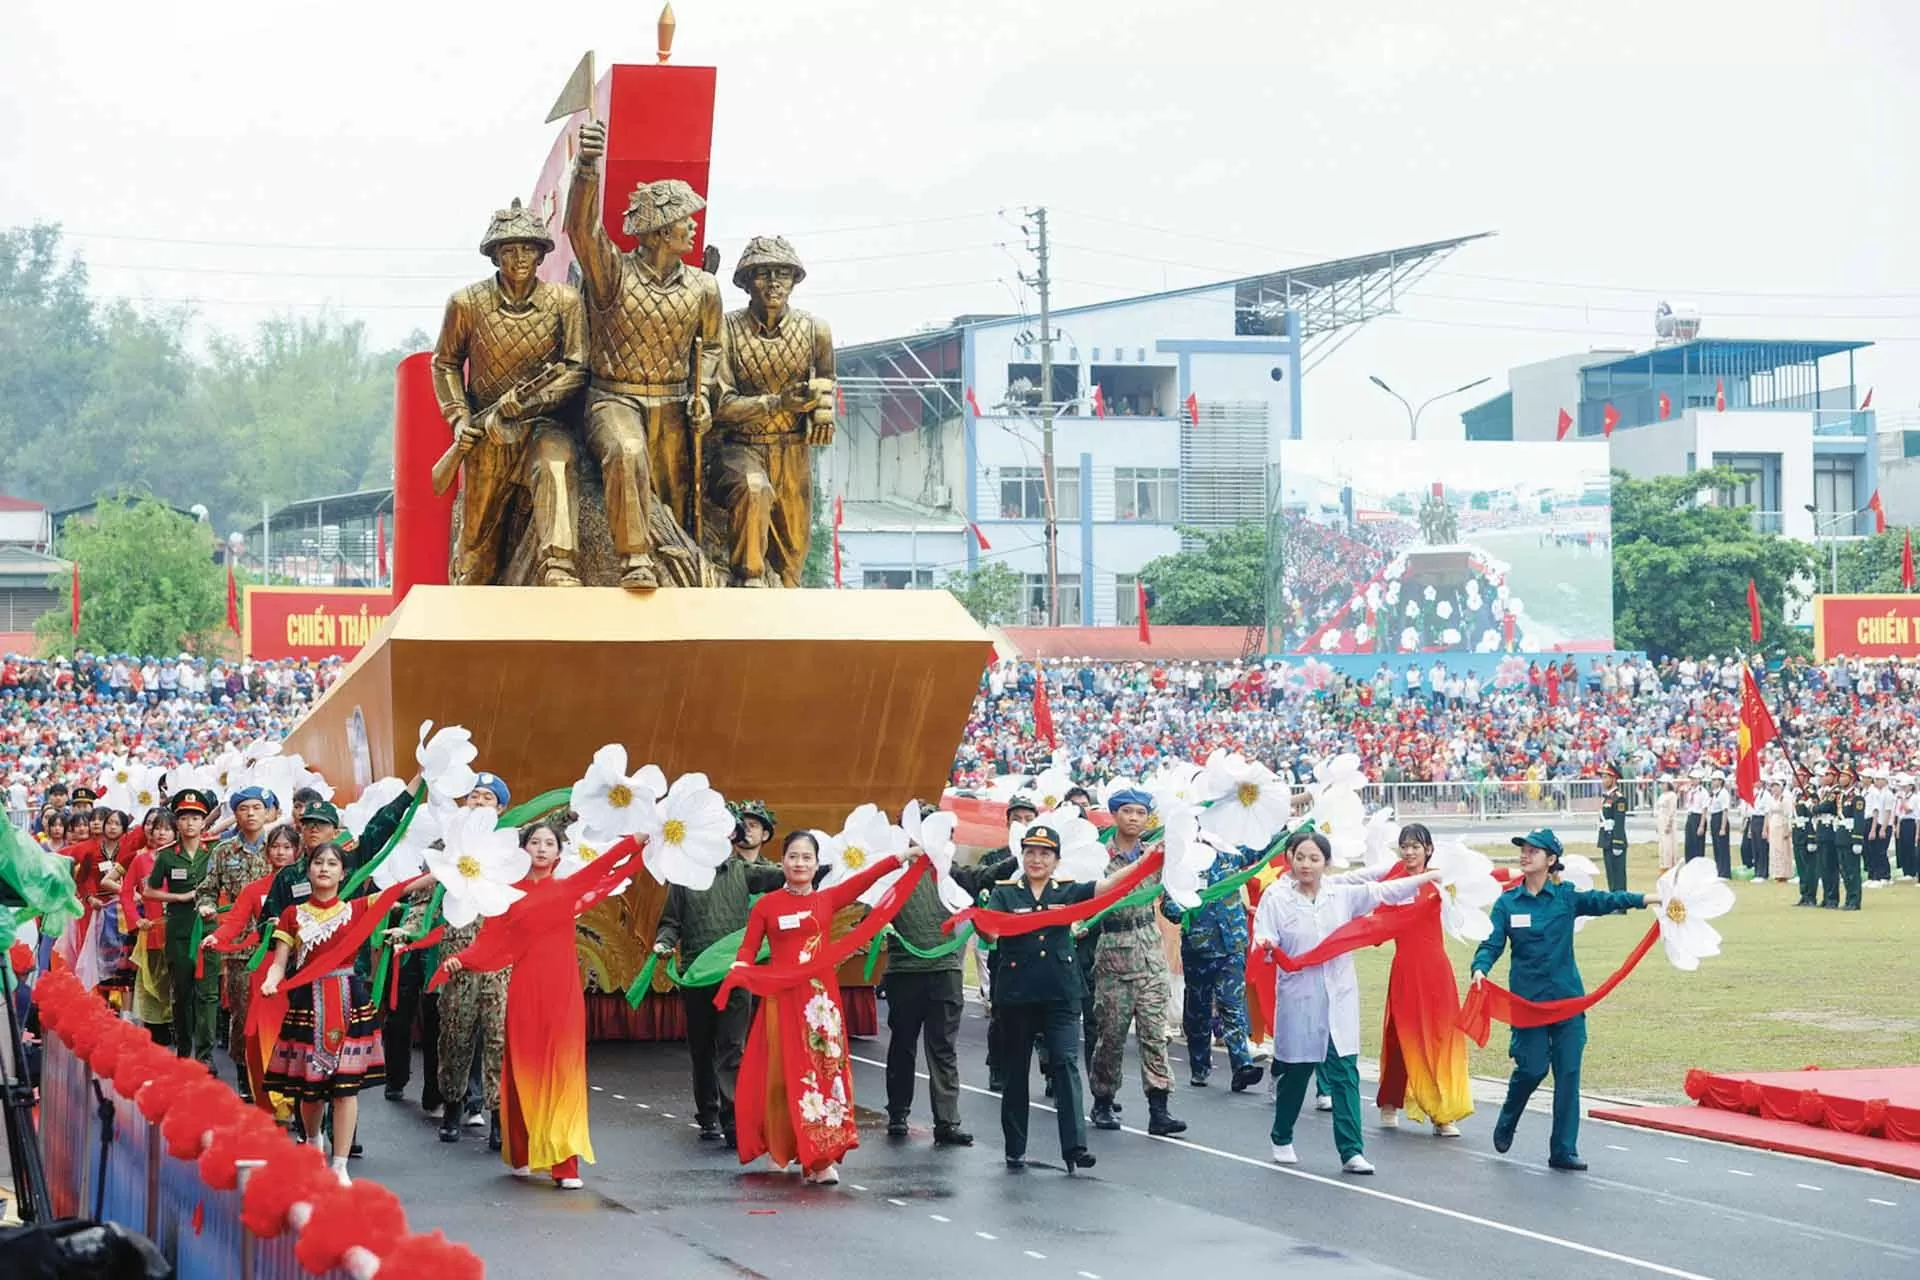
(1170, 411)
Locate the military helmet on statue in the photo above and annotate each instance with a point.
(654, 205)
(516, 222)
(767, 251)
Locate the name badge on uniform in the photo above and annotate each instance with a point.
(178, 875)
(1520, 922)
(793, 920)
(302, 890)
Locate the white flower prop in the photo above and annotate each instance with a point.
(1006, 786)
(139, 795)
(1188, 857)
(1467, 891)
(1340, 771)
(1082, 855)
(376, 797)
(1050, 787)
(197, 777)
(693, 835)
(1340, 816)
(1383, 840)
(1690, 895)
(578, 850)
(934, 834)
(866, 837)
(612, 804)
(116, 772)
(478, 866)
(1254, 803)
(257, 753)
(446, 761)
(229, 770)
(1580, 872)
(405, 862)
(1175, 783)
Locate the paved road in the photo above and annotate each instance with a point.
(1654, 1204)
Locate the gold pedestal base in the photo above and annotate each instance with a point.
(813, 701)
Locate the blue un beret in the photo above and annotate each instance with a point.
(1127, 796)
(245, 794)
(492, 783)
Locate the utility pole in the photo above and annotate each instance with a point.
(1043, 284)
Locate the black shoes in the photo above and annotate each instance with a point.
(1244, 1078)
(493, 1131)
(1160, 1121)
(949, 1135)
(396, 1093)
(450, 1122)
(1502, 1136)
(1078, 1158)
(709, 1129)
(1103, 1114)
(1572, 1164)
(1200, 1079)
(896, 1126)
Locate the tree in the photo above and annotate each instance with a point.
(817, 571)
(991, 593)
(1868, 567)
(1681, 565)
(148, 583)
(1222, 584)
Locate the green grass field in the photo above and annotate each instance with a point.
(1791, 988)
(1569, 589)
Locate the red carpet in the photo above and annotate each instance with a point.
(1867, 1117)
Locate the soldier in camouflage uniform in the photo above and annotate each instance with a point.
(1213, 959)
(473, 1012)
(1131, 983)
(645, 312)
(496, 335)
(237, 862)
(770, 389)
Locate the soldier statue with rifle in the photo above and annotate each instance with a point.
(512, 352)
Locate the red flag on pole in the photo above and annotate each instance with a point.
(1609, 419)
(1666, 406)
(1757, 729)
(979, 537)
(1566, 425)
(1719, 395)
(974, 404)
(839, 517)
(1906, 563)
(1043, 713)
(1753, 609)
(1193, 408)
(1099, 402)
(1879, 512)
(76, 597)
(1140, 600)
(1866, 401)
(839, 401)
(379, 547)
(233, 599)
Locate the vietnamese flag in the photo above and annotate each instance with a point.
(233, 599)
(1566, 425)
(1866, 401)
(974, 404)
(1099, 402)
(1906, 563)
(1193, 408)
(1879, 512)
(1753, 609)
(1609, 419)
(979, 537)
(1140, 602)
(1666, 406)
(1719, 395)
(1043, 713)
(1756, 731)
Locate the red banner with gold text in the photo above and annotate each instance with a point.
(313, 622)
(1868, 626)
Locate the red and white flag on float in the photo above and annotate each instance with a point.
(1565, 425)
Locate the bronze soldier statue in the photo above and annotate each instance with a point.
(776, 405)
(523, 345)
(654, 351)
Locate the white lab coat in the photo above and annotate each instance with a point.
(1321, 1003)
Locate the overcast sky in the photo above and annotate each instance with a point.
(1755, 158)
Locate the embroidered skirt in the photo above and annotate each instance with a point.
(329, 1045)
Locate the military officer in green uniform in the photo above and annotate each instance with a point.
(1808, 869)
(1851, 839)
(1536, 918)
(175, 880)
(1613, 830)
(1827, 836)
(1020, 811)
(1036, 994)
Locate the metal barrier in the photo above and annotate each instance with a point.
(1494, 799)
(147, 1189)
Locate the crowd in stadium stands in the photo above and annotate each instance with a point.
(59, 720)
(1425, 722)
(1322, 564)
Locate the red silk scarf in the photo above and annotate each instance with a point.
(1007, 924)
(1489, 1000)
(771, 980)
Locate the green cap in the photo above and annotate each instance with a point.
(321, 811)
(1041, 838)
(1541, 838)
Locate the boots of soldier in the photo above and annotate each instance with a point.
(1160, 1121)
(493, 1130)
(1103, 1114)
(450, 1122)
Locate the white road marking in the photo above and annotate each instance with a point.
(1885, 1204)
(1739, 1173)
(596, 1088)
(939, 1218)
(643, 1106)
(1031, 1254)
(669, 1115)
(1611, 1146)
(692, 1125)
(856, 1186)
(1676, 1160)
(986, 1235)
(1086, 1275)
(619, 1097)
(899, 1204)
(1806, 1186)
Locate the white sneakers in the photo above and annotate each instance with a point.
(523, 1172)
(1357, 1164)
(571, 1184)
(1446, 1130)
(1323, 1103)
(1285, 1155)
(827, 1177)
(1389, 1117)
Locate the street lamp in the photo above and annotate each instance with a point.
(1833, 545)
(1413, 414)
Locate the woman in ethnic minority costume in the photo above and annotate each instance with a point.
(794, 1101)
(329, 1044)
(152, 977)
(241, 928)
(1422, 1049)
(543, 1070)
